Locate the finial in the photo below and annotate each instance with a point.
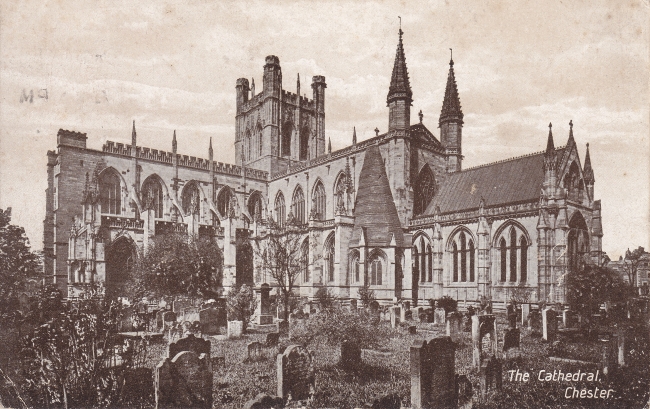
(587, 145)
(550, 125)
(210, 147)
(354, 135)
(571, 124)
(174, 144)
(329, 145)
(400, 26)
(421, 115)
(376, 131)
(451, 58)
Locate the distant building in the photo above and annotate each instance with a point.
(641, 274)
(396, 211)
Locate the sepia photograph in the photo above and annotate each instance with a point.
(331, 204)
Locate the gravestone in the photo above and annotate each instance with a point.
(374, 307)
(350, 355)
(491, 375)
(549, 325)
(184, 381)
(353, 305)
(511, 339)
(439, 316)
(620, 340)
(209, 319)
(610, 355)
(391, 401)
(191, 314)
(569, 319)
(454, 320)
(464, 391)
(264, 316)
(416, 313)
(169, 317)
(126, 320)
(405, 311)
(394, 316)
(179, 305)
(295, 373)
(283, 327)
(483, 325)
(264, 401)
(433, 378)
(189, 343)
(235, 329)
(160, 322)
(254, 351)
(511, 314)
(525, 310)
(413, 329)
(535, 322)
(272, 339)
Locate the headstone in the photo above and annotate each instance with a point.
(535, 322)
(525, 310)
(169, 317)
(126, 320)
(415, 312)
(391, 401)
(235, 329)
(394, 316)
(350, 355)
(254, 351)
(483, 325)
(184, 381)
(264, 401)
(160, 322)
(569, 319)
(189, 343)
(413, 329)
(439, 317)
(353, 304)
(454, 325)
(272, 339)
(209, 318)
(295, 373)
(464, 392)
(511, 314)
(191, 314)
(491, 375)
(433, 378)
(610, 355)
(511, 339)
(179, 305)
(620, 340)
(549, 325)
(283, 327)
(264, 316)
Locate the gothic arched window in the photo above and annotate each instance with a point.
(376, 269)
(304, 143)
(429, 264)
(304, 261)
(425, 188)
(416, 264)
(223, 201)
(286, 139)
(471, 260)
(319, 201)
(248, 145)
(423, 261)
(463, 257)
(504, 258)
(191, 198)
(260, 142)
(110, 192)
(152, 196)
(454, 252)
(524, 260)
(329, 258)
(255, 206)
(513, 255)
(354, 268)
(280, 209)
(298, 206)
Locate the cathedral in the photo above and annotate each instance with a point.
(396, 212)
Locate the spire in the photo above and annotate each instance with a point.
(571, 141)
(400, 87)
(329, 145)
(588, 171)
(133, 136)
(252, 87)
(210, 151)
(354, 135)
(174, 143)
(451, 108)
(549, 155)
(298, 86)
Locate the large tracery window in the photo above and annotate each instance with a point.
(304, 261)
(298, 206)
(249, 145)
(110, 193)
(513, 255)
(319, 201)
(375, 262)
(152, 196)
(354, 268)
(191, 199)
(573, 183)
(329, 258)
(280, 209)
(223, 201)
(286, 139)
(424, 189)
(463, 258)
(304, 143)
(255, 206)
(423, 260)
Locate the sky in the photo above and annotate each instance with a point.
(95, 66)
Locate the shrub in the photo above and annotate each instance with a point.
(325, 299)
(448, 303)
(240, 304)
(366, 295)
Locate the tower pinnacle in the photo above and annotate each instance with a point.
(451, 108)
(400, 86)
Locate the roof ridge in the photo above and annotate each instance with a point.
(510, 159)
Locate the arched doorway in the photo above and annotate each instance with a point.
(577, 243)
(243, 259)
(120, 259)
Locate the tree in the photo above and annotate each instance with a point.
(631, 264)
(18, 264)
(177, 265)
(241, 303)
(280, 254)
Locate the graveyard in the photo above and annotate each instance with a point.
(421, 358)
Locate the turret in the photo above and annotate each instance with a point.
(272, 80)
(589, 175)
(550, 165)
(451, 123)
(399, 96)
(242, 92)
(318, 86)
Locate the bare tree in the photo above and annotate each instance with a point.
(280, 254)
(631, 264)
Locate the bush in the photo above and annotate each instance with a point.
(366, 295)
(448, 303)
(240, 304)
(325, 299)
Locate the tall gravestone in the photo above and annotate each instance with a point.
(535, 322)
(264, 316)
(235, 329)
(394, 316)
(511, 340)
(454, 325)
(549, 325)
(416, 311)
(491, 375)
(209, 318)
(483, 325)
(350, 354)
(525, 310)
(433, 378)
(295, 373)
(439, 316)
(511, 314)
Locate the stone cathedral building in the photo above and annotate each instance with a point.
(397, 211)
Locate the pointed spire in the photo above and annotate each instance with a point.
(174, 143)
(588, 171)
(550, 146)
(329, 145)
(298, 86)
(550, 155)
(571, 141)
(354, 135)
(210, 151)
(252, 87)
(133, 136)
(400, 87)
(451, 108)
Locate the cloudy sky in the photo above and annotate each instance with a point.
(94, 66)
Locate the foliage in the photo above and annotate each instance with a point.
(325, 299)
(176, 265)
(67, 357)
(18, 264)
(593, 286)
(241, 303)
(520, 294)
(631, 264)
(280, 254)
(366, 295)
(336, 325)
(448, 303)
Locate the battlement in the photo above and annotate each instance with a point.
(183, 160)
(71, 138)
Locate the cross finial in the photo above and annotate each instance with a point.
(376, 131)
(421, 115)
(571, 123)
(451, 58)
(550, 125)
(400, 27)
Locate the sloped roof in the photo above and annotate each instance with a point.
(400, 86)
(451, 108)
(511, 181)
(374, 210)
(421, 132)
